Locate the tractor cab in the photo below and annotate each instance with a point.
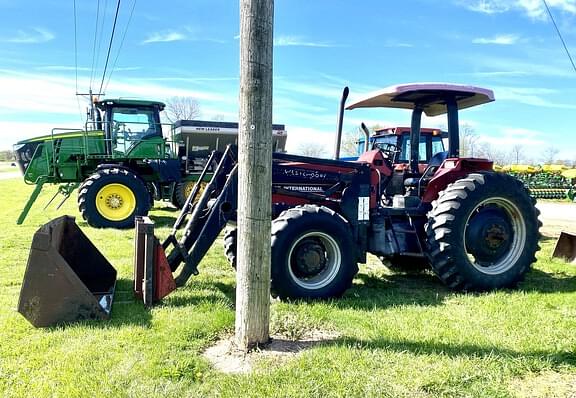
(431, 142)
(432, 99)
(131, 127)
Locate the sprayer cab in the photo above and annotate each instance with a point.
(128, 120)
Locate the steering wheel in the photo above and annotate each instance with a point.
(389, 150)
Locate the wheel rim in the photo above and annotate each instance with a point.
(115, 202)
(494, 236)
(314, 260)
(188, 189)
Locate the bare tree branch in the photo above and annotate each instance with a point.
(549, 154)
(181, 108)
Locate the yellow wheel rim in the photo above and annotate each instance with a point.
(115, 202)
(188, 188)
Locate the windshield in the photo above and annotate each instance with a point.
(134, 121)
(377, 142)
(130, 125)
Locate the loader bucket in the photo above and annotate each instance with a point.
(566, 247)
(66, 278)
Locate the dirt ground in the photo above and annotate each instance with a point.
(557, 217)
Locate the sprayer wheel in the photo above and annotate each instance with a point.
(112, 197)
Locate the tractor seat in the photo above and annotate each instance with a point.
(433, 165)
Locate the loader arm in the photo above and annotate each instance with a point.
(217, 204)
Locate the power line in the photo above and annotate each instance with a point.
(559, 35)
(76, 61)
(75, 47)
(120, 47)
(110, 45)
(94, 44)
(101, 34)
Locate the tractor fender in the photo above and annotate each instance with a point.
(453, 169)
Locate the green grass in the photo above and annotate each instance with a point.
(400, 335)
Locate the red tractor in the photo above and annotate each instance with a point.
(476, 228)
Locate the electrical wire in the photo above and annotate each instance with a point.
(120, 47)
(101, 34)
(94, 44)
(109, 46)
(75, 47)
(76, 61)
(559, 34)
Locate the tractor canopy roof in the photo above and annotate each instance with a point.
(129, 102)
(430, 96)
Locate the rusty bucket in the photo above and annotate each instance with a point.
(566, 247)
(67, 278)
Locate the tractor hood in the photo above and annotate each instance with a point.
(431, 96)
(56, 136)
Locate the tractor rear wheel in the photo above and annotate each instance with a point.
(483, 232)
(312, 254)
(112, 197)
(230, 244)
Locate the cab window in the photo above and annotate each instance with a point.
(405, 153)
(437, 145)
(130, 125)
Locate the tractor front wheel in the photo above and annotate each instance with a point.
(312, 254)
(112, 197)
(483, 232)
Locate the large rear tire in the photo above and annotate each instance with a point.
(230, 245)
(112, 197)
(483, 232)
(312, 254)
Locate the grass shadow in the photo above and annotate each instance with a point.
(203, 293)
(542, 282)
(458, 350)
(126, 310)
(381, 291)
(167, 208)
(163, 221)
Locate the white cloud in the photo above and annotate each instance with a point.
(33, 103)
(162, 37)
(534, 96)
(21, 130)
(505, 39)
(538, 66)
(31, 36)
(532, 8)
(301, 135)
(286, 41)
(510, 136)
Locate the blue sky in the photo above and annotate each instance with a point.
(191, 48)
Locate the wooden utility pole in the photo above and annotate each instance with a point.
(255, 174)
